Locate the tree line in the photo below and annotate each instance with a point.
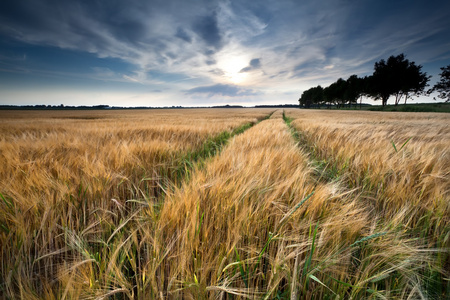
(397, 76)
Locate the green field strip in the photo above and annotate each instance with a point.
(325, 170)
(242, 266)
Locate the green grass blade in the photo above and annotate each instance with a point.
(370, 237)
(404, 144)
(393, 145)
(317, 280)
(241, 268)
(265, 247)
(199, 227)
(295, 208)
(311, 252)
(9, 204)
(271, 236)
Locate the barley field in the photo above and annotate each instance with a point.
(224, 204)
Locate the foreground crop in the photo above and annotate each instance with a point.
(169, 205)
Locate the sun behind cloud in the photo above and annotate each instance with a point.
(232, 66)
(237, 78)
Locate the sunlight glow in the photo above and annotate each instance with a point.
(232, 65)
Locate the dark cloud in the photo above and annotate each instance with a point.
(217, 71)
(68, 24)
(182, 34)
(253, 65)
(17, 15)
(171, 55)
(128, 30)
(209, 52)
(226, 90)
(207, 28)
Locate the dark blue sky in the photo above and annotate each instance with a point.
(206, 52)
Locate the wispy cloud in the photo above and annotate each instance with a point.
(222, 90)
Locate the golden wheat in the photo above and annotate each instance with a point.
(63, 171)
(368, 144)
(401, 164)
(237, 228)
(92, 207)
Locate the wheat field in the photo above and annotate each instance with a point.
(403, 159)
(224, 204)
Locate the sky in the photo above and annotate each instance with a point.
(206, 52)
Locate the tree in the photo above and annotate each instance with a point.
(414, 82)
(397, 77)
(305, 99)
(312, 96)
(335, 92)
(354, 89)
(443, 86)
(317, 95)
(329, 95)
(382, 86)
(340, 92)
(365, 88)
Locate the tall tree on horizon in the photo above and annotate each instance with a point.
(443, 85)
(397, 77)
(311, 96)
(354, 89)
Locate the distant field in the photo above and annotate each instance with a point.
(441, 107)
(412, 107)
(224, 204)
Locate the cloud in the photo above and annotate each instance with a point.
(102, 73)
(253, 65)
(224, 90)
(241, 20)
(207, 28)
(129, 78)
(182, 34)
(186, 45)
